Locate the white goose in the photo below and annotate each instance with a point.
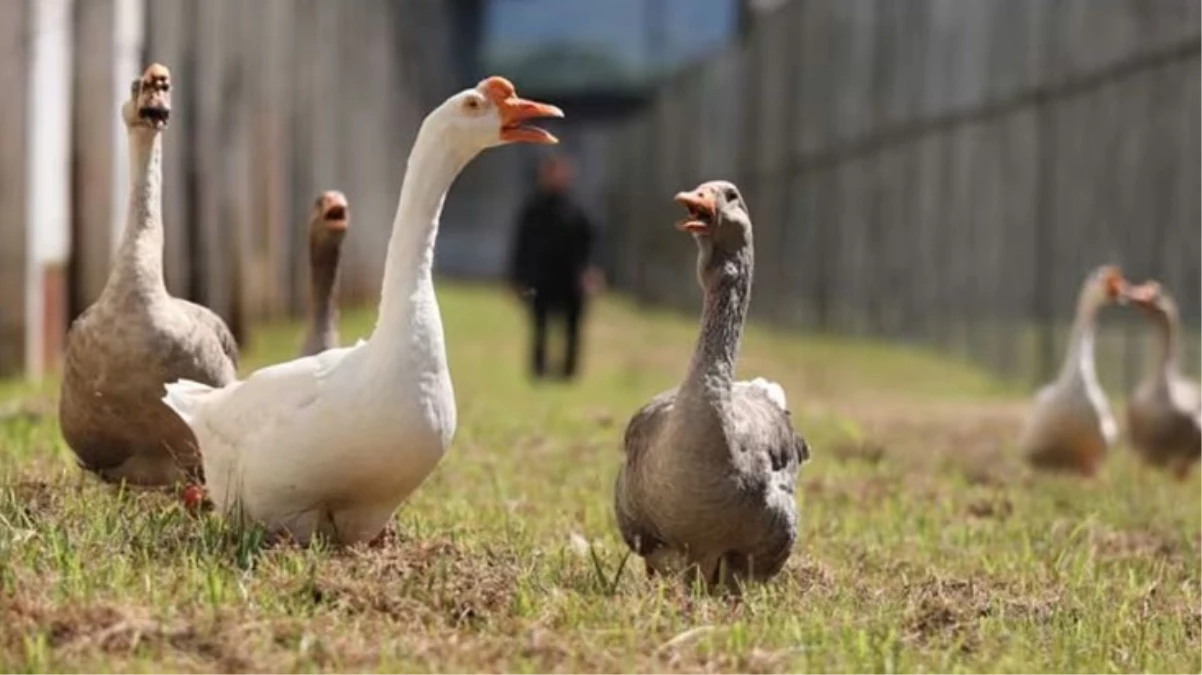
(331, 444)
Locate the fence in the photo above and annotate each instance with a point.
(274, 100)
(944, 172)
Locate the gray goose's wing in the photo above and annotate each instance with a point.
(763, 422)
(641, 433)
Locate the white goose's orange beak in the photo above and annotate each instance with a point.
(515, 112)
(701, 206)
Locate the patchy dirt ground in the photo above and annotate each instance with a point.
(926, 545)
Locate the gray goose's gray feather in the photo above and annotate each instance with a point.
(710, 471)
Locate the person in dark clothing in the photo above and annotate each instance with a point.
(551, 262)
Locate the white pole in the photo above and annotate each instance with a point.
(48, 207)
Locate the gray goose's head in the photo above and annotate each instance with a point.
(720, 223)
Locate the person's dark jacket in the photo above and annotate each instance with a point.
(553, 246)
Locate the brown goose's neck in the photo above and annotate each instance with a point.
(1164, 356)
(1079, 357)
(138, 266)
(325, 252)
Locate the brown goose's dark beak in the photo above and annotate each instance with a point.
(335, 211)
(1144, 295)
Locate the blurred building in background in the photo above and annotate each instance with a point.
(940, 172)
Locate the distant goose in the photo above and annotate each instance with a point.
(327, 228)
(711, 466)
(1070, 426)
(1164, 414)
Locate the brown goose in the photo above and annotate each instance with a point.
(136, 337)
(327, 229)
(1069, 426)
(1164, 415)
(711, 466)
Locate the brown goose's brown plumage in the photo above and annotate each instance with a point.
(136, 337)
(1164, 415)
(1069, 427)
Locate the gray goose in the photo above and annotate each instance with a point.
(711, 466)
(1164, 414)
(327, 229)
(135, 337)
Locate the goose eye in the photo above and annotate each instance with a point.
(473, 104)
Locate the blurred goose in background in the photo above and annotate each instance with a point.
(327, 228)
(136, 337)
(711, 467)
(331, 444)
(1070, 426)
(1164, 414)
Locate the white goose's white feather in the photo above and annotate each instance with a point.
(333, 443)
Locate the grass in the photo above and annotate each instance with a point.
(925, 545)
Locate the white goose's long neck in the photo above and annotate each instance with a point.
(409, 326)
(1079, 361)
(139, 264)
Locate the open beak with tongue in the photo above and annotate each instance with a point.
(335, 212)
(515, 112)
(701, 206)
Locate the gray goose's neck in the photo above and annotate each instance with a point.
(727, 297)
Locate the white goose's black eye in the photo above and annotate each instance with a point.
(731, 195)
(473, 104)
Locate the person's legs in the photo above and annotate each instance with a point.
(539, 311)
(572, 315)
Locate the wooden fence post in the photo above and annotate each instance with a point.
(107, 56)
(15, 30)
